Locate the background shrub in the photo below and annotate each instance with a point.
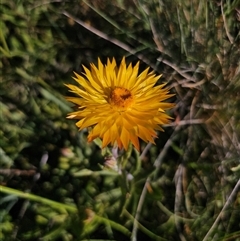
(54, 185)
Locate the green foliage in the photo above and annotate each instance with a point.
(56, 186)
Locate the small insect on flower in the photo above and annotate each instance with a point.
(119, 104)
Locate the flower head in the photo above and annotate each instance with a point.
(119, 104)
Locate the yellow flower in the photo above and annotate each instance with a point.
(119, 104)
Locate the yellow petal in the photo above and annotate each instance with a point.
(120, 104)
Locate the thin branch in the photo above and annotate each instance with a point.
(230, 38)
(110, 39)
(186, 122)
(186, 76)
(139, 208)
(144, 191)
(228, 202)
(162, 154)
(145, 150)
(17, 172)
(178, 199)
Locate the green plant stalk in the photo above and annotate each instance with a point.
(143, 229)
(60, 206)
(114, 225)
(6, 53)
(5, 46)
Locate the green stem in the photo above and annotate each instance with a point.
(143, 229)
(32, 197)
(5, 46)
(114, 225)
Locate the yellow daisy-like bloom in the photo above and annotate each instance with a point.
(119, 104)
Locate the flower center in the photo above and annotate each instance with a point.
(121, 98)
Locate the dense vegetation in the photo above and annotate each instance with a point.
(56, 186)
